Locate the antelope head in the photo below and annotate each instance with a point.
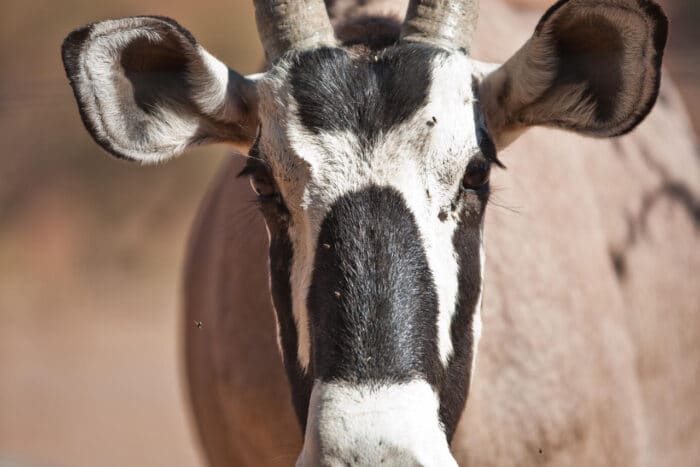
(371, 163)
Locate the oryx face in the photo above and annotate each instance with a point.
(373, 174)
(372, 165)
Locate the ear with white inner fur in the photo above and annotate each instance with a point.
(147, 90)
(591, 66)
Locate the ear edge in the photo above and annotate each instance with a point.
(511, 123)
(658, 25)
(72, 49)
(660, 38)
(213, 127)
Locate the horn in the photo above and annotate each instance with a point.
(446, 23)
(292, 25)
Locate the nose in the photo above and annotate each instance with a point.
(362, 425)
(385, 456)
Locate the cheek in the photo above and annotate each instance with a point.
(281, 258)
(464, 329)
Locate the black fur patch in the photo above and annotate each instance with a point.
(368, 33)
(281, 254)
(467, 243)
(366, 95)
(372, 301)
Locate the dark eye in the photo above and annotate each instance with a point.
(477, 174)
(262, 184)
(261, 181)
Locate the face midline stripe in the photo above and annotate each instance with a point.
(445, 136)
(441, 262)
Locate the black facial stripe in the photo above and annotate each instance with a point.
(365, 95)
(372, 301)
(281, 254)
(467, 244)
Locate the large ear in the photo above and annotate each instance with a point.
(147, 90)
(591, 67)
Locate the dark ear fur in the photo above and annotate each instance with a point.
(146, 90)
(591, 66)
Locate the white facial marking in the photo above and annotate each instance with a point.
(301, 271)
(393, 425)
(453, 142)
(313, 205)
(211, 97)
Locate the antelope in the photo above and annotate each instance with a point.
(371, 138)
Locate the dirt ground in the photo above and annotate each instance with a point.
(91, 249)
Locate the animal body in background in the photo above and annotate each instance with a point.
(373, 267)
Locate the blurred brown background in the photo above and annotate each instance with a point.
(91, 248)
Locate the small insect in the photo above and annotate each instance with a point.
(198, 324)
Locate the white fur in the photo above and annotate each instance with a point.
(98, 91)
(107, 98)
(313, 171)
(393, 425)
(453, 142)
(212, 97)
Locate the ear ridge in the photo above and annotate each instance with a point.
(89, 86)
(72, 50)
(659, 26)
(225, 96)
(146, 90)
(590, 67)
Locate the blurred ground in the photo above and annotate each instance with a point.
(91, 248)
(91, 252)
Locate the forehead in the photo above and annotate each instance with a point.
(365, 116)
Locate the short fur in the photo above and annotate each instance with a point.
(581, 86)
(381, 326)
(170, 93)
(565, 375)
(568, 371)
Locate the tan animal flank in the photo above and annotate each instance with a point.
(560, 326)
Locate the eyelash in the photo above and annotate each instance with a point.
(267, 199)
(252, 171)
(258, 172)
